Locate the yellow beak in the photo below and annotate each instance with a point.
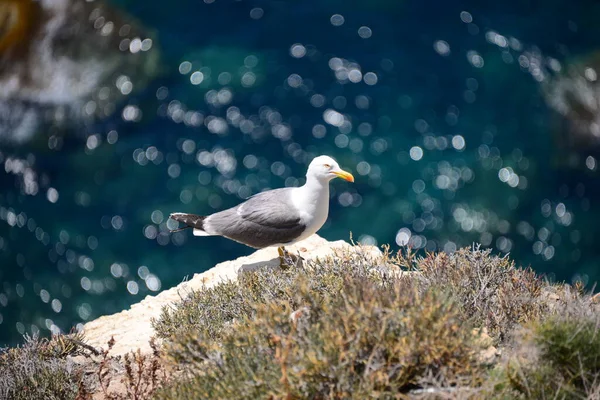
(344, 175)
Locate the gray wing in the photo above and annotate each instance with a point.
(263, 220)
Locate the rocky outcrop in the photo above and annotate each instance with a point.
(132, 328)
(63, 61)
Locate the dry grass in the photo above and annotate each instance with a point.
(64, 367)
(137, 376)
(40, 369)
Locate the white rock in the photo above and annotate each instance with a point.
(132, 329)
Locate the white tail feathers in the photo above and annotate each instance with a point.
(199, 232)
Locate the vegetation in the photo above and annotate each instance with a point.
(40, 370)
(558, 357)
(491, 291)
(370, 338)
(64, 367)
(465, 325)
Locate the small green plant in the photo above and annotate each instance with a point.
(557, 358)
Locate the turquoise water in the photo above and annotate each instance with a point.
(450, 116)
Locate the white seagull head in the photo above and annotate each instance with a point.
(325, 168)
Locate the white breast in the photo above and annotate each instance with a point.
(312, 204)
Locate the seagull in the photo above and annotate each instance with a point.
(274, 218)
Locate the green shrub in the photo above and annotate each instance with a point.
(558, 357)
(212, 310)
(335, 329)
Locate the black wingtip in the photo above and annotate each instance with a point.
(191, 220)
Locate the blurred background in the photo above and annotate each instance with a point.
(463, 122)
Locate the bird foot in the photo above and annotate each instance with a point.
(286, 259)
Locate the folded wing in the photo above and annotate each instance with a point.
(266, 219)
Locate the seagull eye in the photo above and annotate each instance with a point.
(327, 165)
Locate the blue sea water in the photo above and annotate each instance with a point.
(451, 116)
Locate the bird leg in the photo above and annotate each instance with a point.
(282, 252)
(287, 259)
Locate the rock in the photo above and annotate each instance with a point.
(132, 329)
(64, 62)
(488, 353)
(574, 93)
